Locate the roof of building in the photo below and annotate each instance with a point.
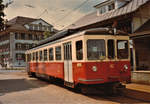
(92, 18)
(144, 27)
(20, 20)
(144, 30)
(18, 23)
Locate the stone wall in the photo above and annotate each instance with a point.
(141, 77)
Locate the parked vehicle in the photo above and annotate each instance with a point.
(95, 57)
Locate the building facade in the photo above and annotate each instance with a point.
(19, 35)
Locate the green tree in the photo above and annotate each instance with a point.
(2, 6)
(47, 34)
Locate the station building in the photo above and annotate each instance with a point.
(131, 16)
(20, 34)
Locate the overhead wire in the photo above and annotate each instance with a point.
(45, 11)
(70, 12)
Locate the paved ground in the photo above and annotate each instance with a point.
(17, 88)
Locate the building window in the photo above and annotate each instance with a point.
(102, 9)
(23, 36)
(35, 37)
(20, 56)
(18, 46)
(51, 56)
(111, 6)
(35, 27)
(49, 28)
(40, 26)
(30, 45)
(45, 28)
(58, 53)
(30, 27)
(111, 49)
(30, 36)
(79, 50)
(27, 46)
(45, 55)
(16, 36)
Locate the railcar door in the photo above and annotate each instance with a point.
(68, 73)
(112, 65)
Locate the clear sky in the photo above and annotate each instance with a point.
(52, 11)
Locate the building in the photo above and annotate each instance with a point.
(132, 16)
(20, 34)
(141, 40)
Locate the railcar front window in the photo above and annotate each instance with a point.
(111, 49)
(122, 49)
(96, 49)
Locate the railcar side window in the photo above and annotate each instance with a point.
(51, 56)
(33, 56)
(122, 49)
(41, 56)
(96, 49)
(79, 50)
(36, 56)
(58, 53)
(30, 57)
(45, 55)
(111, 49)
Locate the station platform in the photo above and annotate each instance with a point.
(138, 91)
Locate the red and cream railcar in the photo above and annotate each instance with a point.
(91, 57)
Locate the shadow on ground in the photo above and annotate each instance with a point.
(15, 85)
(143, 96)
(130, 97)
(127, 98)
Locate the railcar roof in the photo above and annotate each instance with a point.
(94, 31)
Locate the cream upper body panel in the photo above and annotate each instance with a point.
(73, 39)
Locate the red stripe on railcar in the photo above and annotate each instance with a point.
(54, 69)
(82, 71)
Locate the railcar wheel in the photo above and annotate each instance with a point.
(51, 79)
(84, 90)
(115, 89)
(31, 74)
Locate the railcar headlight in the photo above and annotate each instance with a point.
(94, 68)
(125, 67)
